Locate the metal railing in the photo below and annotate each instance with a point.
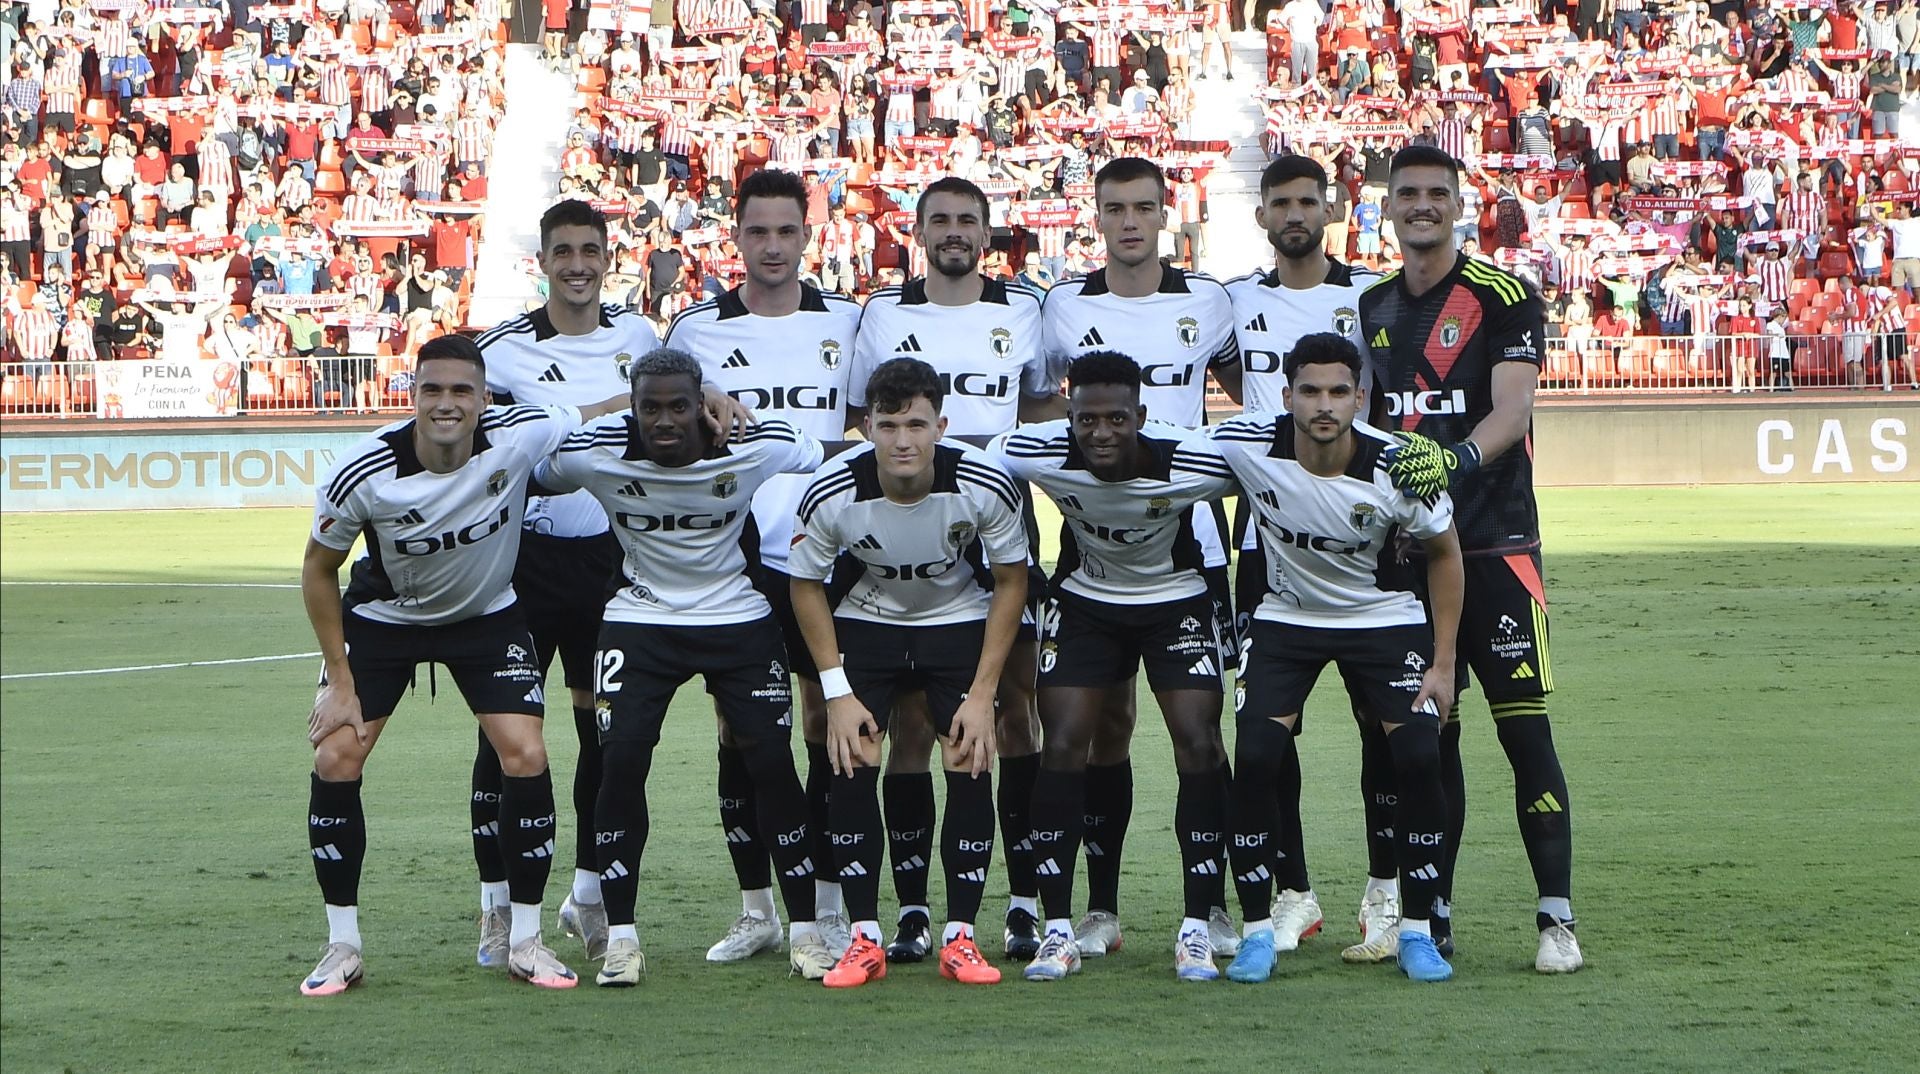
(1725, 363)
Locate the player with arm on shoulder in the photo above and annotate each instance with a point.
(1457, 342)
(782, 348)
(678, 495)
(919, 520)
(1332, 519)
(439, 498)
(1129, 590)
(1305, 292)
(1178, 326)
(982, 336)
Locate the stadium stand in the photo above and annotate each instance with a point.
(1712, 196)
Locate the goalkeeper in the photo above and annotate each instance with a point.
(1456, 342)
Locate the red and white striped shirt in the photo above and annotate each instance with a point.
(1450, 134)
(368, 284)
(63, 85)
(813, 12)
(675, 138)
(1805, 210)
(1846, 85)
(115, 37)
(360, 207)
(334, 87)
(1663, 115)
(720, 157)
(216, 166)
(1776, 277)
(1576, 270)
(376, 88)
(16, 224)
(1051, 239)
(103, 224)
(294, 190)
(979, 15)
(471, 137)
(1105, 43)
(35, 333)
(77, 336)
(430, 173)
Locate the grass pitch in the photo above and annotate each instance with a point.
(1733, 665)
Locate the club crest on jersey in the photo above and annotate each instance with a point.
(497, 484)
(1158, 507)
(1002, 342)
(1362, 515)
(1346, 321)
(1450, 332)
(960, 534)
(603, 715)
(830, 353)
(1189, 332)
(726, 485)
(623, 364)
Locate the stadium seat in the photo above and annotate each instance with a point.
(1797, 304)
(328, 182)
(80, 393)
(51, 392)
(16, 393)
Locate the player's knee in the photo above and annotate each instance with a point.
(338, 761)
(1416, 752)
(629, 760)
(766, 755)
(521, 754)
(1261, 745)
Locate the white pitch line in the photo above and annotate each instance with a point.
(159, 667)
(173, 585)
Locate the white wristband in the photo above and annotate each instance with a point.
(833, 683)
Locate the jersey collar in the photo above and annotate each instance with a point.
(1172, 282)
(730, 305)
(914, 291)
(544, 330)
(407, 460)
(1158, 456)
(1400, 280)
(1339, 273)
(1366, 449)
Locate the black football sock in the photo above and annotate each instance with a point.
(1109, 810)
(1378, 791)
(739, 818)
(966, 843)
(586, 788)
(1199, 820)
(526, 835)
(857, 838)
(819, 790)
(621, 812)
(484, 811)
(910, 812)
(337, 832)
(782, 823)
(1420, 819)
(1540, 799)
(1453, 783)
(1058, 818)
(1017, 776)
(1290, 852)
(1260, 749)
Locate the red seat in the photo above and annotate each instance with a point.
(16, 393)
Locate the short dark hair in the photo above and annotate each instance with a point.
(1126, 170)
(1424, 156)
(1104, 367)
(897, 382)
(1288, 168)
(770, 183)
(1323, 348)
(951, 184)
(454, 348)
(571, 213)
(666, 362)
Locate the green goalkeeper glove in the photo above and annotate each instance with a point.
(1423, 467)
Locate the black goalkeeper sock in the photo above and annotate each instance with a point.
(1199, 820)
(1017, 776)
(966, 842)
(337, 833)
(739, 818)
(857, 838)
(1378, 790)
(1540, 799)
(484, 811)
(1109, 811)
(1058, 804)
(910, 812)
(526, 834)
(586, 788)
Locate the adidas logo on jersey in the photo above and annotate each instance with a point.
(1070, 502)
(869, 542)
(411, 518)
(632, 488)
(1258, 324)
(736, 360)
(909, 345)
(1379, 339)
(1092, 339)
(552, 375)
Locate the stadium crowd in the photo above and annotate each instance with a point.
(1702, 190)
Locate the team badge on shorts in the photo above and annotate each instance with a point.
(1049, 654)
(1450, 332)
(623, 364)
(603, 715)
(1002, 342)
(497, 484)
(1345, 321)
(960, 534)
(830, 353)
(1361, 516)
(1158, 507)
(1189, 332)
(726, 484)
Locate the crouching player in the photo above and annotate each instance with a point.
(922, 523)
(678, 498)
(1330, 519)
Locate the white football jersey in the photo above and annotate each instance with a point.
(1128, 542)
(440, 547)
(1269, 317)
(529, 361)
(918, 564)
(988, 353)
(680, 525)
(793, 369)
(1329, 541)
(1175, 335)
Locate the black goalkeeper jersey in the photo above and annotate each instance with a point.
(1435, 354)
